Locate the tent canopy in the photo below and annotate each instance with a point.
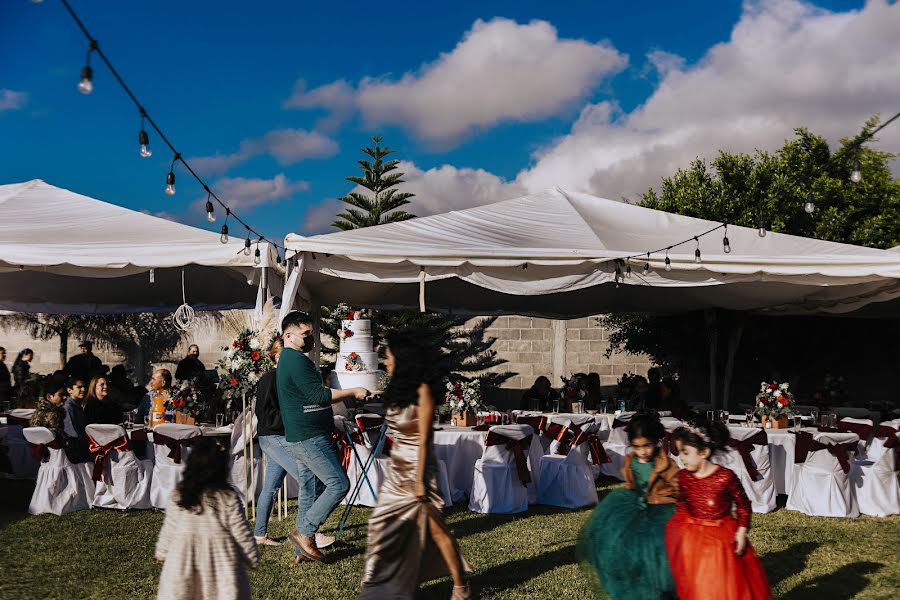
(64, 252)
(554, 254)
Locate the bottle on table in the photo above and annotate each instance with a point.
(157, 410)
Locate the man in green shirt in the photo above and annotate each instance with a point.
(308, 421)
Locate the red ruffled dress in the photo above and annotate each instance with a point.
(700, 541)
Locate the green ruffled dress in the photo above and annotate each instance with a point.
(624, 542)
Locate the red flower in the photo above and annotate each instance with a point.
(772, 386)
(235, 344)
(351, 315)
(783, 401)
(255, 356)
(178, 402)
(234, 381)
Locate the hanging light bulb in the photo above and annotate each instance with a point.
(697, 251)
(762, 229)
(726, 245)
(247, 246)
(856, 174)
(152, 276)
(170, 183)
(144, 141)
(810, 206)
(647, 264)
(210, 213)
(668, 263)
(628, 271)
(257, 258)
(86, 85)
(224, 237)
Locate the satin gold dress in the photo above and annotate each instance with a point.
(400, 552)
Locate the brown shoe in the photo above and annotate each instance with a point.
(307, 546)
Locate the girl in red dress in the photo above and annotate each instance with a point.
(710, 556)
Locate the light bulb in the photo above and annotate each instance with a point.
(86, 86)
(170, 183)
(256, 257)
(727, 245)
(646, 268)
(809, 207)
(247, 246)
(668, 264)
(144, 141)
(762, 231)
(856, 175)
(628, 271)
(697, 255)
(210, 213)
(224, 237)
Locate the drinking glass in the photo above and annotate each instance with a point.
(796, 422)
(748, 417)
(710, 415)
(604, 405)
(220, 419)
(725, 415)
(815, 417)
(129, 418)
(833, 420)
(556, 406)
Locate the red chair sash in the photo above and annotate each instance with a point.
(860, 429)
(539, 424)
(37, 450)
(745, 448)
(101, 453)
(598, 454)
(518, 448)
(806, 444)
(890, 442)
(174, 445)
(562, 434)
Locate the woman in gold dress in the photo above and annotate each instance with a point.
(408, 541)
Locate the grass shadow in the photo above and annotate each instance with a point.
(846, 582)
(787, 563)
(15, 495)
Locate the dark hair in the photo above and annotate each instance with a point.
(52, 386)
(23, 353)
(705, 435)
(2, 349)
(206, 469)
(416, 361)
(194, 346)
(646, 425)
(92, 389)
(73, 380)
(541, 380)
(295, 319)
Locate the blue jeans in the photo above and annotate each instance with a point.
(317, 461)
(280, 463)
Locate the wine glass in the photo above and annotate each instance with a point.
(815, 417)
(220, 419)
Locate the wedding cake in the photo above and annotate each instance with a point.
(356, 364)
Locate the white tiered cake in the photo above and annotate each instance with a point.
(357, 364)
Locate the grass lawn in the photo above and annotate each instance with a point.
(106, 554)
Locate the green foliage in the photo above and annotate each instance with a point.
(378, 177)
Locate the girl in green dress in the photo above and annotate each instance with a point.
(624, 540)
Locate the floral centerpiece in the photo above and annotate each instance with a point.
(188, 398)
(464, 400)
(244, 363)
(774, 404)
(573, 390)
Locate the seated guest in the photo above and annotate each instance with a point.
(593, 390)
(5, 378)
(22, 366)
(160, 383)
(541, 394)
(49, 411)
(654, 390)
(100, 406)
(190, 366)
(639, 394)
(670, 398)
(122, 389)
(77, 442)
(83, 365)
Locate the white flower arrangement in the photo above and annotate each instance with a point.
(464, 396)
(254, 343)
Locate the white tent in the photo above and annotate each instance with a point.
(554, 254)
(64, 252)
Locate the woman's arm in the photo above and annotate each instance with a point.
(426, 415)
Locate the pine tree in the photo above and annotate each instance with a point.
(469, 351)
(377, 178)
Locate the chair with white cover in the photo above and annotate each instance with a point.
(874, 480)
(861, 427)
(122, 481)
(171, 444)
(61, 487)
(538, 423)
(566, 478)
(502, 474)
(617, 447)
(364, 432)
(820, 484)
(748, 456)
(240, 467)
(18, 451)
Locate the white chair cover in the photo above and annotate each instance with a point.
(496, 487)
(126, 480)
(166, 472)
(23, 464)
(567, 481)
(760, 490)
(876, 446)
(820, 487)
(239, 469)
(61, 487)
(377, 471)
(874, 480)
(617, 447)
(859, 427)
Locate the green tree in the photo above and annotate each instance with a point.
(769, 189)
(469, 350)
(379, 178)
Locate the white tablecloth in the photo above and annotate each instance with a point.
(460, 447)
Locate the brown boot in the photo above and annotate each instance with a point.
(307, 546)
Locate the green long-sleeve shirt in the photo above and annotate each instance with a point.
(305, 403)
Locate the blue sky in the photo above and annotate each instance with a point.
(613, 82)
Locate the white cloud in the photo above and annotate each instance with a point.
(319, 217)
(242, 193)
(500, 71)
(786, 65)
(12, 100)
(337, 97)
(286, 146)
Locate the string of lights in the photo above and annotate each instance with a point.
(86, 87)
